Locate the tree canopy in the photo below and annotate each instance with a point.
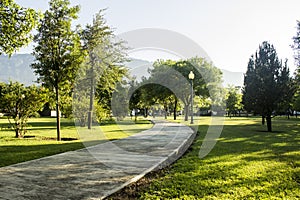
(169, 83)
(16, 23)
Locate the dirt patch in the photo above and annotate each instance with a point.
(134, 190)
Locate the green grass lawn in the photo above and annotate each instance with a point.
(40, 140)
(246, 163)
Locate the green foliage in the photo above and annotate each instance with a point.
(58, 52)
(266, 83)
(20, 103)
(102, 113)
(16, 24)
(101, 72)
(233, 101)
(296, 101)
(296, 47)
(168, 83)
(245, 164)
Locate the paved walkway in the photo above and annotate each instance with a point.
(98, 171)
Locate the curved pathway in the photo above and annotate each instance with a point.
(98, 171)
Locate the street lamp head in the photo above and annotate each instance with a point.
(191, 75)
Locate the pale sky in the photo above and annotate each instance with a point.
(229, 31)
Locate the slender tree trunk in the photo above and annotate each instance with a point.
(146, 112)
(90, 113)
(17, 124)
(263, 119)
(17, 130)
(175, 109)
(57, 113)
(186, 112)
(166, 112)
(269, 123)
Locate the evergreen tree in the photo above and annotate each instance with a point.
(265, 82)
(296, 47)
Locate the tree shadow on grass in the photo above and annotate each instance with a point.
(245, 163)
(12, 154)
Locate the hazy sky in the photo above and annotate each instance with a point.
(229, 31)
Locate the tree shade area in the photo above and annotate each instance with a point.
(246, 163)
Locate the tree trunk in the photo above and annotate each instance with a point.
(57, 114)
(186, 112)
(263, 120)
(166, 112)
(175, 109)
(17, 130)
(269, 123)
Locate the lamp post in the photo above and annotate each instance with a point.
(191, 77)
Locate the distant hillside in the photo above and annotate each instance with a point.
(17, 68)
(139, 68)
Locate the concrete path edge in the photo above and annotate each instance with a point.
(174, 156)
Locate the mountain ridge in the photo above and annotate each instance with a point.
(17, 68)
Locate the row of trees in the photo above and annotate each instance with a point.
(62, 52)
(65, 57)
(170, 86)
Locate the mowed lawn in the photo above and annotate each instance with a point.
(246, 163)
(40, 140)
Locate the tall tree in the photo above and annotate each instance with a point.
(58, 51)
(93, 36)
(264, 83)
(103, 66)
(296, 47)
(16, 24)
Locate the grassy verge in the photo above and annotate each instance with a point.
(40, 140)
(246, 163)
